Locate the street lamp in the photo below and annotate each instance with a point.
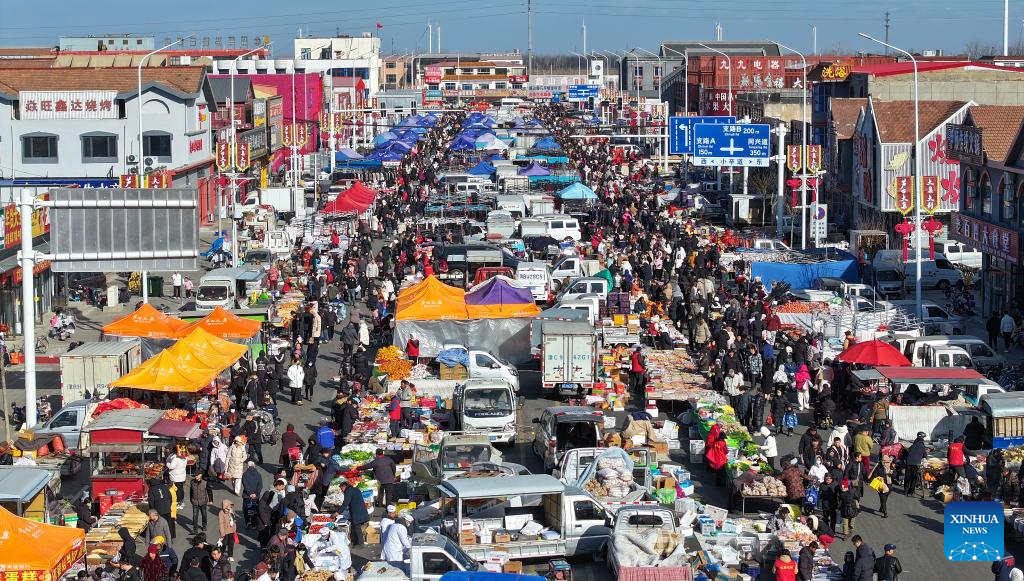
(142, 147)
(234, 155)
(917, 168)
(686, 77)
(731, 114)
(664, 137)
(803, 152)
(579, 63)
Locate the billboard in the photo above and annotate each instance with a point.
(67, 104)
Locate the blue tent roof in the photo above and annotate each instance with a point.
(481, 169)
(384, 137)
(385, 155)
(547, 143)
(577, 191)
(398, 145)
(463, 142)
(346, 154)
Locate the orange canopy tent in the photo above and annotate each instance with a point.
(431, 300)
(224, 324)
(34, 551)
(146, 322)
(187, 367)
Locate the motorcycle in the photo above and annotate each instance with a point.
(64, 328)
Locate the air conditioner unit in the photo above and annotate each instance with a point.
(133, 170)
(148, 161)
(132, 159)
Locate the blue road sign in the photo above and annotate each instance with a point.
(680, 130)
(739, 144)
(583, 92)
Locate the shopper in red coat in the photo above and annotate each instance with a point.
(955, 456)
(718, 456)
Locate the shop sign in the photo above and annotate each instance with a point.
(39, 268)
(988, 238)
(794, 159)
(67, 104)
(128, 180)
(259, 112)
(12, 224)
(813, 158)
(242, 156)
(904, 195)
(835, 73)
(432, 75)
(157, 181)
(195, 145)
(518, 78)
(930, 194)
(964, 142)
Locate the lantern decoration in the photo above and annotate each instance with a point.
(904, 229)
(932, 227)
(812, 184)
(794, 185)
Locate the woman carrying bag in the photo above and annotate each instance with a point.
(881, 480)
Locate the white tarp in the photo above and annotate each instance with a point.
(508, 339)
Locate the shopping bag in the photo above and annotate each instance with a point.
(879, 485)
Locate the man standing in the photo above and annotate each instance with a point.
(915, 456)
(864, 563)
(177, 467)
(384, 472)
(160, 505)
(888, 567)
(637, 370)
(358, 516)
(176, 284)
(201, 496)
(1006, 326)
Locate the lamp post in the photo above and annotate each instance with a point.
(142, 148)
(731, 114)
(803, 183)
(657, 81)
(234, 154)
(686, 77)
(579, 63)
(917, 169)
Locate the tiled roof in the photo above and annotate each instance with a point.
(186, 80)
(895, 119)
(999, 125)
(25, 51)
(845, 113)
(907, 67)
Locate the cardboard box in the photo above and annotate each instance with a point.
(660, 447)
(664, 482)
(457, 372)
(467, 538)
(513, 567)
(372, 536)
(502, 538)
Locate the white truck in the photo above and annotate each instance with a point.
(534, 276)
(481, 364)
(568, 357)
(287, 201)
(229, 287)
(640, 538)
(529, 517)
(577, 468)
(87, 370)
(488, 407)
(430, 557)
(457, 454)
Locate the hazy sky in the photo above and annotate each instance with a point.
(486, 25)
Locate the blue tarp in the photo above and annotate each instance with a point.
(577, 191)
(453, 357)
(802, 276)
(547, 143)
(346, 154)
(481, 169)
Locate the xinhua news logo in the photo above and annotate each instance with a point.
(973, 531)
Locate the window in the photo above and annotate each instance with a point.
(99, 148)
(484, 361)
(390, 78)
(985, 192)
(158, 145)
(1006, 198)
(970, 188)
(39, 149)
(586, 510)
(65, 420)
(390, 64)
(436, 564)
(449, 86)
(138, 42)
(467, 86)
(305, 53)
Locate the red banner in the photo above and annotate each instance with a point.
(813, 158)
(904, 195)
(794, 159)
(128, 181)
(160, 180)
(300, 134)
(242, 156)
(337, 121)
(223, 155)
(930, 194)
(286, 134)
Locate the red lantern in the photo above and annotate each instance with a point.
(794, 185)
(932, 227)
(904, 229)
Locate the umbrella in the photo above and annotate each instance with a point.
(874, 353)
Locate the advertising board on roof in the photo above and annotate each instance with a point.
(67, 104)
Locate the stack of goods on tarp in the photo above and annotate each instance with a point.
(613, 478)
(121, 403)
(650, 548)
(640, 431)
(103, 540)
(674, 376)
(287, 307)
(393, 363)
(765, 486)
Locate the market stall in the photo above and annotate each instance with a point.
(33, 551)
(29, 492)
(156, 329)
(127, 448)
(243, 326)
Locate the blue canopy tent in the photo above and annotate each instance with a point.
(385, 137)
(547, 144)
(382, 155)
(398, 145)
(535, 170)
(802, 276)
(548, 159)
(410, 121)
(481, 169)
(463, 142)
(346, 154)
(577, 191)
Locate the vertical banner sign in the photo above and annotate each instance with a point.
(794, 159)
(300, 134)
(242, 156)
(336, 125)
(813, 158)
(223, 155)
(930, 194)
(129, 181)
(286, 134)
(904, 195)
(160, 180)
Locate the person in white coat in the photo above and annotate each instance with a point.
(770, 448)
(364, 334)
(330, 550)
(296, 375)
(396, 541)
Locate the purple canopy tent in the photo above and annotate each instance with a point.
(534, 170)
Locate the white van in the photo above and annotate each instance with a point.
(935, 318)
(959, 253)
(487, 406)
(938, 273)
(981, 354)
(562, 226)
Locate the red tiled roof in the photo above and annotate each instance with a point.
(999, 125)
(895, 119)
(845, 113)
(907, 67)
(25, 51)
(123, 80)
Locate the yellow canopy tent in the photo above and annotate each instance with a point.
(146, 322)
(187, 367)
(224, 324)
(431, 300)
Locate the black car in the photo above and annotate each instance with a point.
(85, 280)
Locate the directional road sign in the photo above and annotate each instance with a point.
(739, 144)
(680, 130)
(583, 92)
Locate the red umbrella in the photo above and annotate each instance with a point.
(875, 353)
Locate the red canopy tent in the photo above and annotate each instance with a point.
(355, 199)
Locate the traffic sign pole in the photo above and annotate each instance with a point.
(780, 177)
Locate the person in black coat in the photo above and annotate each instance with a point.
(352, 500)
(915, 456)
(289, 571)
(126, 554)
(264, 518)
(200, 552)
(193, 572)
(348, 415)
(84, 513)
(805, 567)
(160, 501)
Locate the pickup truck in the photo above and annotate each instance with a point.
(647, 526)
(430, 556)
(68, 423)
(477, 510)
(579, 467)
(480, 364)
(457, 454)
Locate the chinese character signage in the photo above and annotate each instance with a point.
(157, 181)
(835, 73)
(963, 142)
(930, 194)
(990, 239)
(12, 225)
(259, 112)
(904, 195)
(67, 104)
(794, 159)
(432, 75)
(128, 181)
(286, 134)
(813, 158)
(300, 134)
(242, 156)
(223, 155)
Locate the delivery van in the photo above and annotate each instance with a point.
(938, 273)
(981, 354)
(487, 406)
(229, 287)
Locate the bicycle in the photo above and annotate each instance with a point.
(42, 344)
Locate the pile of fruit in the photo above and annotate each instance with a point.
(396, 368)
(389, 353)
(801, 307)
(176, 414)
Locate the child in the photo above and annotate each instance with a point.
(789, 420)
(848, 560)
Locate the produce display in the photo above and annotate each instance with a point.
(396, 368)
(388, 353)
(613, 479)
(175, 414)
(765, 486)
(801, 307)
(317, 575)
(673, 375)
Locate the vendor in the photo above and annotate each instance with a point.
(718, 456)
(330, 550)
(396, 543)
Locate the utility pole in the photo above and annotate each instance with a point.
(814, 39)
(1006, 27)
(886, 30)
(529, 38)
(780, 178)
(7, 407)
(585, 36)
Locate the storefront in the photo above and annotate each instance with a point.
(1002, 284)
(10, 268)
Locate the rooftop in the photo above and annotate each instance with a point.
(181, 80)
(754, 47)
(895, 119)
(907, 67)
(845, 113)
(1000, 125)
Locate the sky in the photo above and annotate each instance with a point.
(500, 25)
